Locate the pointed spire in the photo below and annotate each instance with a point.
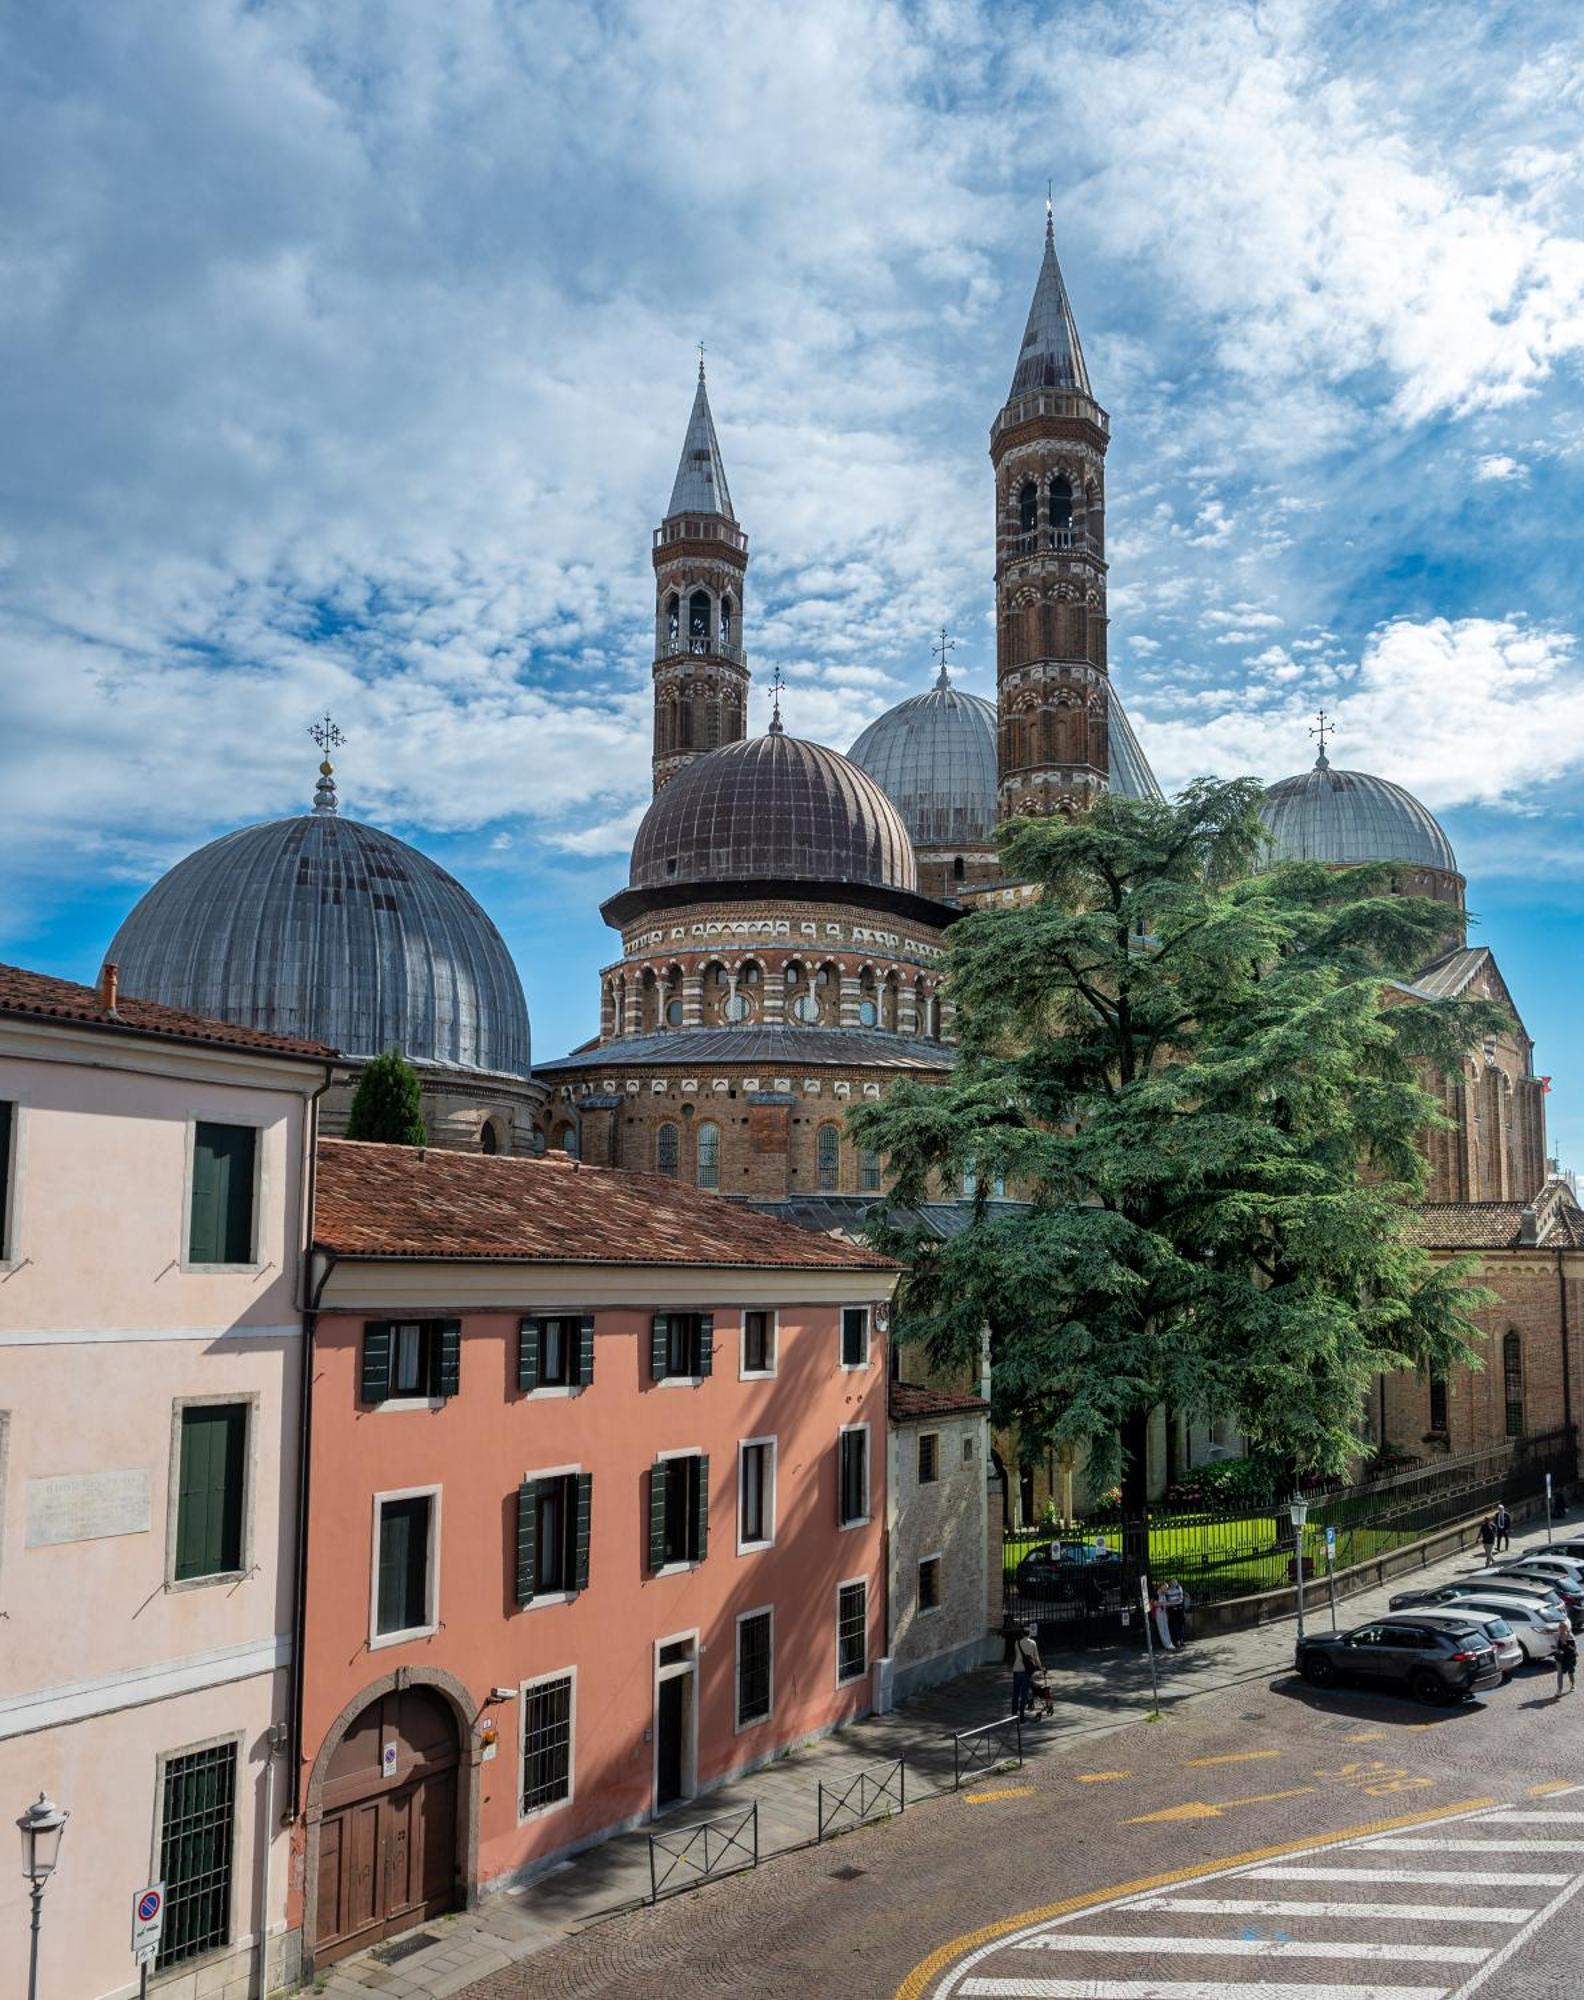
(700, 486)
(1052, 357)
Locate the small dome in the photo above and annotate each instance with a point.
(773, 809)
(934, 756)
(322, 927)
(1344, 817)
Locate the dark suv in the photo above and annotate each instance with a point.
(1430, 1662)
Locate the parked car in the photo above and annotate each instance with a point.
(1562, 1583)
(1512, 1589)
(1061, 1571)
(1510, 1654)
(1569, 1568)
(1536, 1626)
(1427, 1659)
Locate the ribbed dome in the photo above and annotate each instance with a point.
(773, 809)
(1348, 816)
(322, 927)
(934, 756)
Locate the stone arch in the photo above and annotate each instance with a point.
(465, 1711)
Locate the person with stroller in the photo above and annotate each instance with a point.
(1029, 1681)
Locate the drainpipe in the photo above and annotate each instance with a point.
(275, 1741)
(310, 1315)
(1567, 1362)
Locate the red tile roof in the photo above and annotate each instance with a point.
(37, 996)
(413, 1201)
(910, 1401)
(1497, 1225)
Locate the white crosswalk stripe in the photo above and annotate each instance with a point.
(1322, 1918)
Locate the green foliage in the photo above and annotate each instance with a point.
(1202, 1081)
(386, 1107)
(1228, 1485)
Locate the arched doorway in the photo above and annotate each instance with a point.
(388, 1831)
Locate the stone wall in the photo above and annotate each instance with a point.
(948, 1518)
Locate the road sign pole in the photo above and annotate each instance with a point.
(1548, 1510)
(1149, 1641)
(1331, 1570)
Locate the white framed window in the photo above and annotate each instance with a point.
(855, 1337)
(11, 1119)
(754, 1677)
(852, 1476)
(678, 1510)
(761, 1339)
(929, 1583)
(404, 1583)
(223, 1195)
(852, 1629)
(756, 1494)
(548, 1768)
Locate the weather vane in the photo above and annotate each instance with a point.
(701, 361)
(941, 650)
(775, 690)
(329, 738)
(1323, 728)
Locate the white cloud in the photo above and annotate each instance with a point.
(1498, 466)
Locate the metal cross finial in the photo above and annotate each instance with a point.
(701, 361)
(941, 649)
(775, 690)
(1323, 728)
(1050, 207)
(329, 738)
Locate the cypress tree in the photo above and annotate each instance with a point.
(386, 1106)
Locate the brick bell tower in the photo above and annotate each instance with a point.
(700, 561)
(1048, 448)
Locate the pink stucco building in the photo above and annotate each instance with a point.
(595, 1513)
(153, 1178)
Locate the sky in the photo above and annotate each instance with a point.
(346, 354)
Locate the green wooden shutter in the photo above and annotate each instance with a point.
(706, 1343)
(203, 1216)
(659, 1342)
(528, 1355)
(657, 1514)
(211, 1478)
(527, 1539)
(5, 1178)
(220, 1221)
(701, 1510)
(449, 1334)
(378, 1344)
(585, 1367)
(585, 1505)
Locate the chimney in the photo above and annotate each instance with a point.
(109, 987)
(1528, 1225)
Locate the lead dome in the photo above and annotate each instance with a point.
(1346, 817)
(323, 927)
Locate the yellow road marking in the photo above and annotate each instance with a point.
(1101, 1777)
(1006, 1792)
(1554, 1785)
(1369, 1736)
(1198, 1810)
(914, 1985)
(1236, 1757)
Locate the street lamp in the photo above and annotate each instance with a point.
(41, 1827)
(1298, 1509)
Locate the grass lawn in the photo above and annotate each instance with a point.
(1234, 1556)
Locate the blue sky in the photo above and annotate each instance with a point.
(345, 355)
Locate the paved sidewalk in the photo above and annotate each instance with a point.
(1096, 1691)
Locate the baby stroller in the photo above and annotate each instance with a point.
(1040, 1684)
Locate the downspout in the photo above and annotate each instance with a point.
(1567, 1362)
(312, 1293)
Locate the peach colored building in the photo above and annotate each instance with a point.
(595, 1516)
(153, 1178)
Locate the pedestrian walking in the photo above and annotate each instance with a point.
(1566, 1660)
(1026, 1663)
(1488, 1537)
(1503, 1525)
(1174, 1601)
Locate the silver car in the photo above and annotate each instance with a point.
(1521, 1589)
(1510, 1654)
(1536, 1627)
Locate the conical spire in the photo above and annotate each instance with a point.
(1052, 357)
(701, 477)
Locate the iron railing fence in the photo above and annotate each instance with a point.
(1081, 1580)
(682, 1857)
(993, 1746)
(878, 1791)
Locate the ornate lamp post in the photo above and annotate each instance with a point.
(41, 1827)
(1298, 1511)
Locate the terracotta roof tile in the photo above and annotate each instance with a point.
(910, 1400)
(37, 996)
(1497, 1225)
(411, 1201)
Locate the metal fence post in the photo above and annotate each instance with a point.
(654, 1886)
(756, 1833)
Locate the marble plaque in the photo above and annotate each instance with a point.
(85, 1506)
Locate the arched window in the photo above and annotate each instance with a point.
(673, 617)
(699, 620)
(538, 1141)
(868, 1172)
(970, 1184)
(957, 868)
(667, 1142)
(1061, 510)
(827, 1159)
(1513, 1383)
(709, 1156)
(567, 1141)
(726, 621)
(1438, 1403)
(673, 1013)
(489, 1137)
(1028, 508)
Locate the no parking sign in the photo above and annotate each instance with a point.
(148, 1920)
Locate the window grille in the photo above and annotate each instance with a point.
(852, 1631)
(1512, 1380)
(666, 1149)
(709, 1156)
(196, 1831)
(928, 1457)
(828, 1158)
(753, 1668)
(547, 1744)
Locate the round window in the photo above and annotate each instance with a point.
(868, 1013)
(806, 1007)
(673, 1013)
(737, 1007)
